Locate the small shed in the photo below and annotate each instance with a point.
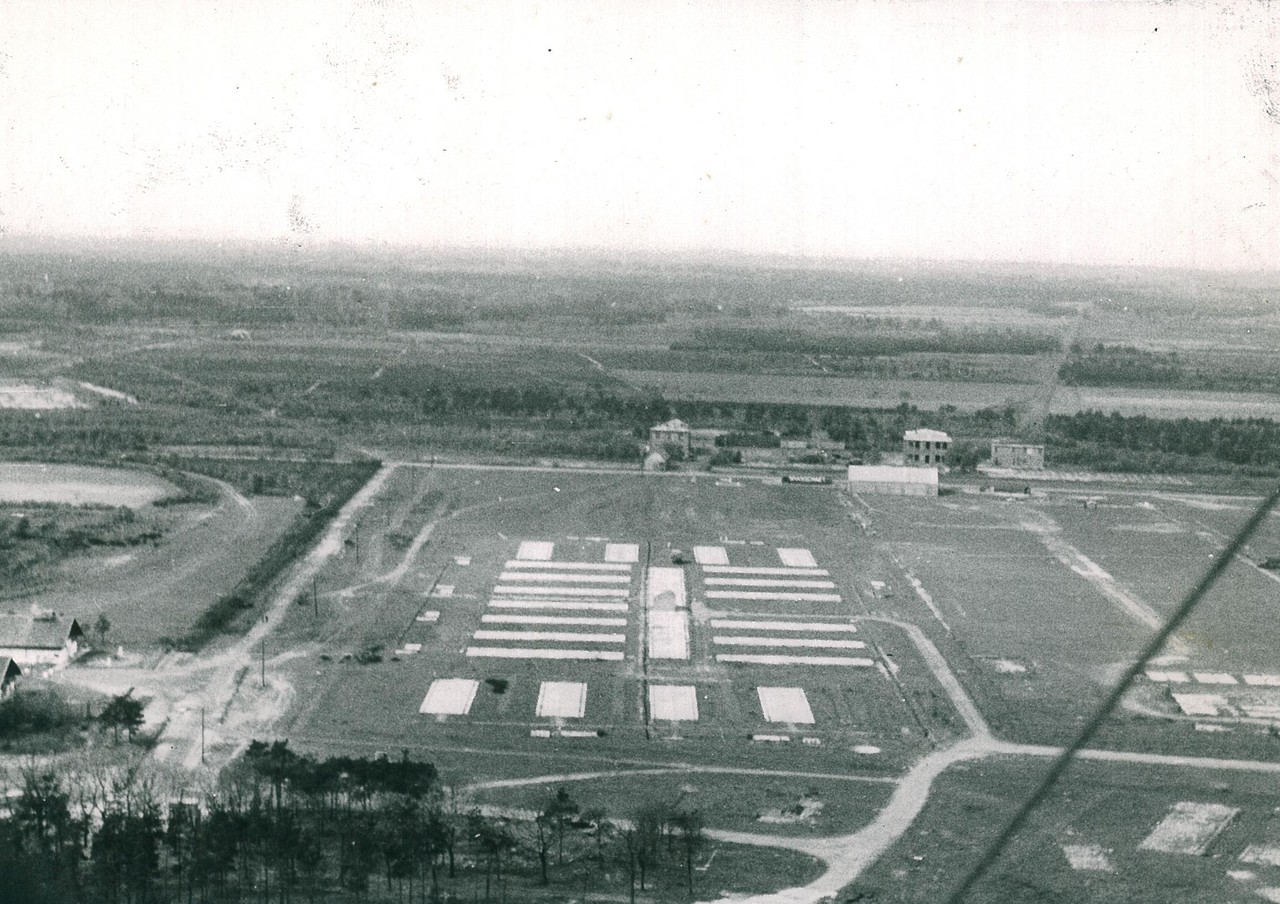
(9, 675)
(39, 639)
(654, 461)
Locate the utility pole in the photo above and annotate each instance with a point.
(202, 734)
(315, 599)
(264, 662)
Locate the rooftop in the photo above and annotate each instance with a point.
(926, 436)
(672, 425)
(26, 632)
(892, 474)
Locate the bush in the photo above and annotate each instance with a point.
(35, 711)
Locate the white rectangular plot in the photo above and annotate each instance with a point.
(666, 588)
(1214, 678)
(622, 552)
(558, 605)
(449, 697)
(1170, 677)
(816, 627)
(817, 643)
(1189, 828)
(543, 653)
(562, 699)
(710, 555)
(528, 590)
(668, 634)
(1263, 680)
(553, 620)
(765, 659)
(1200, 704)
(549, 636)
(542, 577)
(797, 558)
(785, 704)
(566, 566)
(784, 572)
(673, 703)
(777, 595)
(1262, 854)
(535, 550)
(768, 582)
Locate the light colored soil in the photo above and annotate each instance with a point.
(79, 485)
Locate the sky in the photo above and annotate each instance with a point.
(1090, 133)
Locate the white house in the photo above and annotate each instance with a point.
(39, 639)
(925, 447)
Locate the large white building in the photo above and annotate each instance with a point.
(893, 480)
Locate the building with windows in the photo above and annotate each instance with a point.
(925, 447)
(1023, 456)
(673, 435)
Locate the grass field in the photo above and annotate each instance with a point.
(867, 392)
(1110, 811)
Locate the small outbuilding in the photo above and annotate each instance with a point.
(39, 639)
(654, 461)
(893, 480)
(925, 447)
(9, 675)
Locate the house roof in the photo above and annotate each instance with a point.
(25, 632)
(674, 424)
(926, 436)
(8, 670)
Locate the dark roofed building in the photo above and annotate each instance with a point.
(39, 640)
(9, 675)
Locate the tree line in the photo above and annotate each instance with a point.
(286, 827)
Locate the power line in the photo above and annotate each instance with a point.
(1094, 723)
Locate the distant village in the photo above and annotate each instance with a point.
(913, 471)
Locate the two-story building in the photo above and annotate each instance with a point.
(925, 448)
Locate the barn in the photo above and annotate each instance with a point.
(39, 639)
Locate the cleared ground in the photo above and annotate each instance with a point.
(79, 485)
(1095, 840)
(155, 590)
